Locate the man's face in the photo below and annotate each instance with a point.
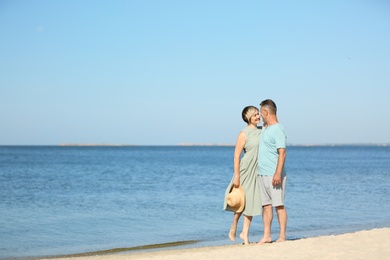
(263, 113)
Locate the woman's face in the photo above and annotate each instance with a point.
(255, 119)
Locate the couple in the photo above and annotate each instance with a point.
(259, 178)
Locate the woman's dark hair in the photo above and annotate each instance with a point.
(248, 112)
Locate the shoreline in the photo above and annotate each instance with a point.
(365, 244)
(126, 250)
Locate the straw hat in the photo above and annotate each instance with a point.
(236, 199)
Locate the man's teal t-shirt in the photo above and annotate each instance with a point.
(272, 138)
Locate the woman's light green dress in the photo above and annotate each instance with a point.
(248, 174)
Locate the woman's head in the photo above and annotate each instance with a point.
(249, 112)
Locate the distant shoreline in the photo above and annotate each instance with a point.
(71, 144)
(189, 145)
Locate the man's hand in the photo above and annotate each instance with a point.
(277, 180)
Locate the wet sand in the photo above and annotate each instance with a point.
(368, 244)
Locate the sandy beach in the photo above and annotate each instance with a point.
(368, 244)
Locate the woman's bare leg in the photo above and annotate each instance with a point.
(233, 228)
(245, 229)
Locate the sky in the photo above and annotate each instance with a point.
(180, 72)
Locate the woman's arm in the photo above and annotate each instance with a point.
(241, 139)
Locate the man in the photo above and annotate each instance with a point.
(272, 175)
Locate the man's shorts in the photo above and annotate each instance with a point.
(271, 195)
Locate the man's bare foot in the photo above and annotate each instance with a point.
(245, 238)
(232, 234)
(265, 240)
(281, 239)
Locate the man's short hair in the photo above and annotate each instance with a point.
(269, 105)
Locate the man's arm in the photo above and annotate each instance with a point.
(279, 168)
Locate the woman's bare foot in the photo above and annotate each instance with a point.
(232, 234)
(281, 239)
(265, 240)
(245, 238)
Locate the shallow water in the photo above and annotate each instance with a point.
(67, 200)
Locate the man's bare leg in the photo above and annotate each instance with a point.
(282, 218)
(267, 221)
(233, 228)
(245, 229)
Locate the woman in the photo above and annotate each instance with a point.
(245, 173)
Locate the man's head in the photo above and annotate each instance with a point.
(268, 111)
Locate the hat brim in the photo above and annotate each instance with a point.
(241, 193)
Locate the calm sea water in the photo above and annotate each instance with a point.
(66, 200)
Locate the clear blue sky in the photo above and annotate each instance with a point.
(171, 72)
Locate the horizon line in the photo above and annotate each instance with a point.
(192, 144)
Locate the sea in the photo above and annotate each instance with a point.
(75, 200)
